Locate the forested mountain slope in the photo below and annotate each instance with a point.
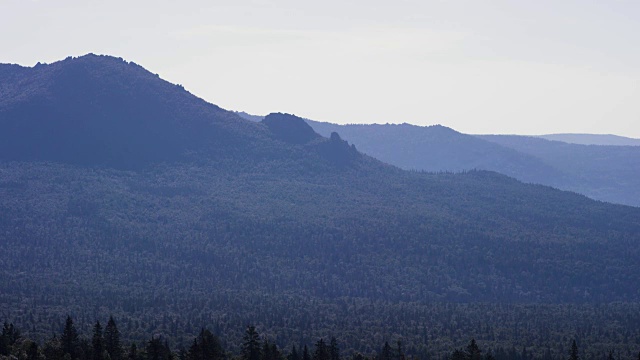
(438, 148)
(120, 192)
(607, 173)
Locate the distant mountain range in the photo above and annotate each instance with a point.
(593, 139)
(607, 173)
(121, 192)
(580, 139)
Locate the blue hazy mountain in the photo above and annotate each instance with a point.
(607, 173)
(121, 192)
(593, 139)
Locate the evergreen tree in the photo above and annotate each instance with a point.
(489, 356)
(251, 344)
(399, 350)
(10, 335)
(4, 342)
(133, 352)
(32, 351)
(458, 355)
(305, 353)
(573, 354)
(473, 351)
(321, 351)
(182, 353)
(52, 349)
(334, 350)
(194, 350)
(69, 339)
(275, 353)
(157, 349)
(266, 350)
(84, 349)
(97, 342)
(385, 354)
(206, 346)
(270, 351)
(610, 356)
(112, 340)
(293, 355)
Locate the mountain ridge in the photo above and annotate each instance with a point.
(606, 173)
(92, 115)
(592, 139)
(269, 219)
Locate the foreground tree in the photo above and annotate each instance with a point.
(305, 353)
(322, 351)
(112, 340)
(385, 354)
(132, 354)
(158, 350)
(251, 344)
(97, 342)
(473, 350)
(573, 353)
(293, 355)
(399, 351)
(334, 350)
(69, 339)
(32, 351)
(10, 335)
(270, 351)
(458, 355)
(206, 346)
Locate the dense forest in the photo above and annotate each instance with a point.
(122, 194)
(107, 344)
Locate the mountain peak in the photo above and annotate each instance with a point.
(290, 128)
(103, 110)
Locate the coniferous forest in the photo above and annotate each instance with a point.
(106, 343)
(139, 221)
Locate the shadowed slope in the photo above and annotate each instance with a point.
(100, 110)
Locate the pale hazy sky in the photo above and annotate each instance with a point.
(525, 67)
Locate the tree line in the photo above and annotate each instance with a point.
(105, 344)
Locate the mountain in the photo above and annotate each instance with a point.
(122, 193)
(610, 173)
(607, 173)
(593, 139)
(247, 116)
(89, 103)
(438, 148)
(101, 111)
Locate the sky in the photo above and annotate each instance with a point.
(480, 67)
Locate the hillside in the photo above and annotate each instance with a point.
(122, 193)
(438, 148)
(607, 173)
(89, 104)
(610, 173)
